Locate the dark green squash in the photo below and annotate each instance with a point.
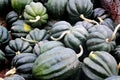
(35, 14)
(58, 64)
(20, 29)
(4, 36)
(45, 46)
(101, 38)
(11, 17)
(2, 59)
(56, 9)
(23, 64)
(14, 77)
(113, 78)
(36, 35)
(99, 65)
(17, 46)
(19, 5)
(116, 53)
(77, 7)
(73, 36)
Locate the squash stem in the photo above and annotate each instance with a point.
(31, 41)
(100, 19)
(37, 18)
(61, 36)
(18, 52)
(81, 51)
(11, 72)
(88, 20)
(114, 34)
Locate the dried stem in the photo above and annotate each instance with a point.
(11, 72)
(88, 20)
(81, 51)
(31, 41)
(37, 18)
(61, 36)
(114, 34)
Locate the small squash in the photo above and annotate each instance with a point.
(19, 5)
(4, 36)
(58, 63)
(57, 9)
(14, 77)
(99, 65)
(36, 35)
(20, 29)
(45, 46)
(23, 64)
(77, 7)
(11, 17)
(35, 14)
(17, 46)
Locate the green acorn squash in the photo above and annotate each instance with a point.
(35, 14)
(58, 64)
(19, 5)
(101, 38)
(23, 64)
(36, 35)
(113, 78)
(20, 29)
(14, 77)
(11, 17)
(57, 9)
(73, 36)
(77, 7)
(17, 46)
(4, 36)
(99, 65)
(45, 46)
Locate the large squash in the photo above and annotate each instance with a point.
(113, 78)
(99, 65)
(77, 7)
(35, 14)
(58, 63)
(14, 77)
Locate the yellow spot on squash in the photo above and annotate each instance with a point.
(27, 28)
(92, 55)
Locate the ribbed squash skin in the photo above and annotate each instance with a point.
(17, 46)
(14, 77)
(20, 29)
(99, 65)
(34, 10)
(24, 64)
(45, 46)
(56, 9)
(4, 36)
(113, 78)
(37, 35)
(19, 5)
(85, 24)
(77, 7)
(59, 27)
(11, 17)
(75, 36)
(98, 39)
(58, 64)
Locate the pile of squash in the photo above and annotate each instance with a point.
(58, 40)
